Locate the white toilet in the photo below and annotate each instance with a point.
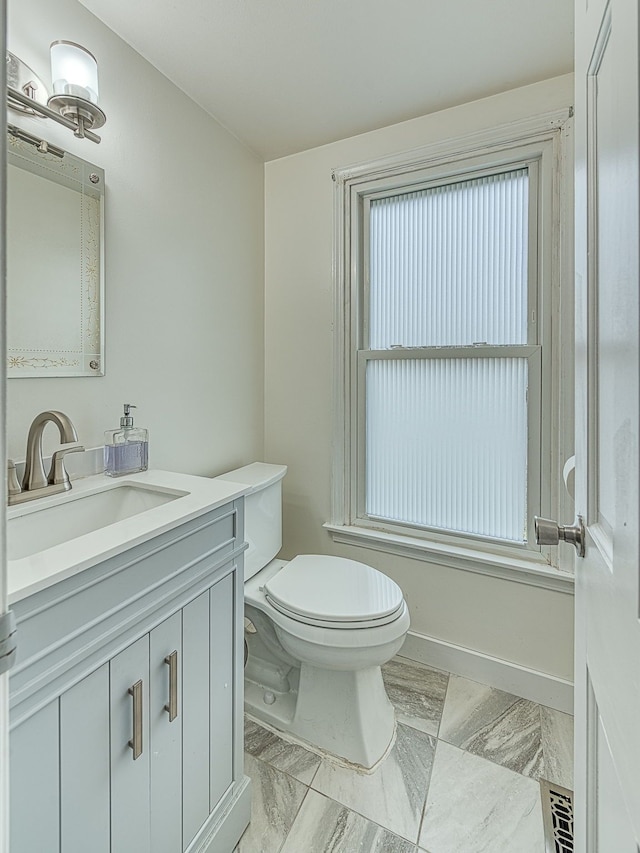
(321, 627)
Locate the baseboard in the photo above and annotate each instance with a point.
(531, 684)
(225, 825)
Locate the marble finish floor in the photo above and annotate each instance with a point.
(462, 776)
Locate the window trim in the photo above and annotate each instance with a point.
(545, 139)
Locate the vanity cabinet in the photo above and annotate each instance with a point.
(130, 739)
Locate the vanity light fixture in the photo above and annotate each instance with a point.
(74, 102)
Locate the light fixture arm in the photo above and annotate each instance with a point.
(74, 103)
(45, 112)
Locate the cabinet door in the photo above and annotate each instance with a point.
(130, 777)
(165, 712)
(84, 765)
(195, 719)
(221, 687)
(35, 790)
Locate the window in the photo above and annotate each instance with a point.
(448, 352)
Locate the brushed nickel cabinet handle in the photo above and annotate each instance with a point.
(172, 706)
(136, 742)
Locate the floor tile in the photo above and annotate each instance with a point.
(393, 796)
(494, 725)
(417, 692)
(324, 826)
(279, 753)
(275, 800)
(475, 806)
(557, 746)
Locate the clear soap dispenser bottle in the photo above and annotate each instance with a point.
(126, 450)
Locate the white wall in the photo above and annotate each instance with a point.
(184, 262)
(528, 626)
(184, 238)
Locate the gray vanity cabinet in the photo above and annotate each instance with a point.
(35, 783)
(165, 731)
(141, 751)
(59, 766)
(84, 763)
(130, 776)
(160, 799)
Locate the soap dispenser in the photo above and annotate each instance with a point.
(126, 450)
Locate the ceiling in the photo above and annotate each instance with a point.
(287, 75)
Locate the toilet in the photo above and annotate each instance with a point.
(318, 629)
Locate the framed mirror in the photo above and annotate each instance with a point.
(55, 268)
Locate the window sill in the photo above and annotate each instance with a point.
(531, 570)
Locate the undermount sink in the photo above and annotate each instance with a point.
(43, 525)
(50, 539)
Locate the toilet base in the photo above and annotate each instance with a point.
(346, 713)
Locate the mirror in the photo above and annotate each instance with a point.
(55, 275)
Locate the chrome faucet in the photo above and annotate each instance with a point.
(35, 483)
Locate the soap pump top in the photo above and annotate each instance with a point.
(126, 421)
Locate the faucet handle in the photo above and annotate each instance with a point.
(58, 473)
(13, 485)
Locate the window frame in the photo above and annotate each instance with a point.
(542, 145)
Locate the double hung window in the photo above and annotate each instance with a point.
(447, 364)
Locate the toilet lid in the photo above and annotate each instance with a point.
(334, 592)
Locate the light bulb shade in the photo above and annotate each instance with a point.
(74, 71)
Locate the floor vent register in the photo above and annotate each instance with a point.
(557, 810)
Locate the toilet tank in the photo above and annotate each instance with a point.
(262, 512)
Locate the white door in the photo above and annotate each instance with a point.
(607, 783)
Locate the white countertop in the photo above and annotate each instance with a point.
(197, 495)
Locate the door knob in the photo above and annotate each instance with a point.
(549, 532)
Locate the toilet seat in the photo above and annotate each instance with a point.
(333, 592)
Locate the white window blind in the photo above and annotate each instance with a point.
(446, 444)
(448, 265)
(446, 436)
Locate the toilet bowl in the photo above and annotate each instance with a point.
(319, 629)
